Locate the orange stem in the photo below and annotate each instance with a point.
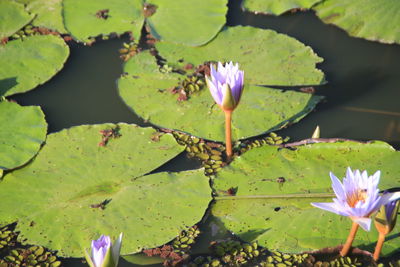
(228, 134)
(350, 239)
(378, 248)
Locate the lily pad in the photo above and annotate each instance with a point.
(48, 13)
(275, 188)
(13, 17)
(202, 20)
(372, 20)
(148, 92)
(276, 7)
(32, 61)
(22, 131)
(267, 57)
(76, 190)
(90, 18)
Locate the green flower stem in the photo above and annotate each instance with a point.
(228, 133)
(350, 239)
(379, 244)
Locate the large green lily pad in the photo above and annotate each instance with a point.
(90, 18)
(59, 194)
(32, 61)
(369, 19)
(267, 57)
(276, 7)
(13, 17)
(148, 92)
(188, 22)
(22, 131)
(275, 188)
(48, 13)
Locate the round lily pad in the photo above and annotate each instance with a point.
(81, 186)
(48, 13)
(276, 7)
(372, 20)
(22, 131)
(90, 18)
(13, 17)
(274, 189)
(31, 61)
(202, 20)
(267, 57)
(148, 92)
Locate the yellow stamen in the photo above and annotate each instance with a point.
(356, 196)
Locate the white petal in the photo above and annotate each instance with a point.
(365, 223)
(116, 249)
(337, 187)
(332, 207)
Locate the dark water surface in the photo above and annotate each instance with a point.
(362, 96)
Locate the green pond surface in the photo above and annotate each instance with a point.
(362, 93)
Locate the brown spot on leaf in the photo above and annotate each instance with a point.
(102, 14)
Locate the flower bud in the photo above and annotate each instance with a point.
(104, 253)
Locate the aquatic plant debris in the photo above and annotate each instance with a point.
(262, 204)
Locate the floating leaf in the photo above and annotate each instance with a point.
(22, 131)
(369, 19)
(90, 18)
(48, 14)
(148, 92)
(202, 20)
(276, 7)
(32, 61)
(76, 190)
(275, 188)
(267, 57)
(13, 17)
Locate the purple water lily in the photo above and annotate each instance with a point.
(104, 253)
(99, 249)
(226, 84)
(358, 197)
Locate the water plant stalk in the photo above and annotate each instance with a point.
(379, 244)
(228, 133)
(350, 239)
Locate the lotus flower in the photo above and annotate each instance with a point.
(104, 254)
(358, 197)
(226, 85)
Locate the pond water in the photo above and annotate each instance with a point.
(362, 92)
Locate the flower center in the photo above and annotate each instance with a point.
(356, 196)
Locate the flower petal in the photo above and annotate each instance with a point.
(332, 207)
(337, 187)
(365, 223)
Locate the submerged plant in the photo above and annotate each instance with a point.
(104, 253)
(226, 87)
(358, 198)
(385, 220)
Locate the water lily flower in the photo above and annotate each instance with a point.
(104, 253)
(358, 198)
(226, 87)
(385, 220)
